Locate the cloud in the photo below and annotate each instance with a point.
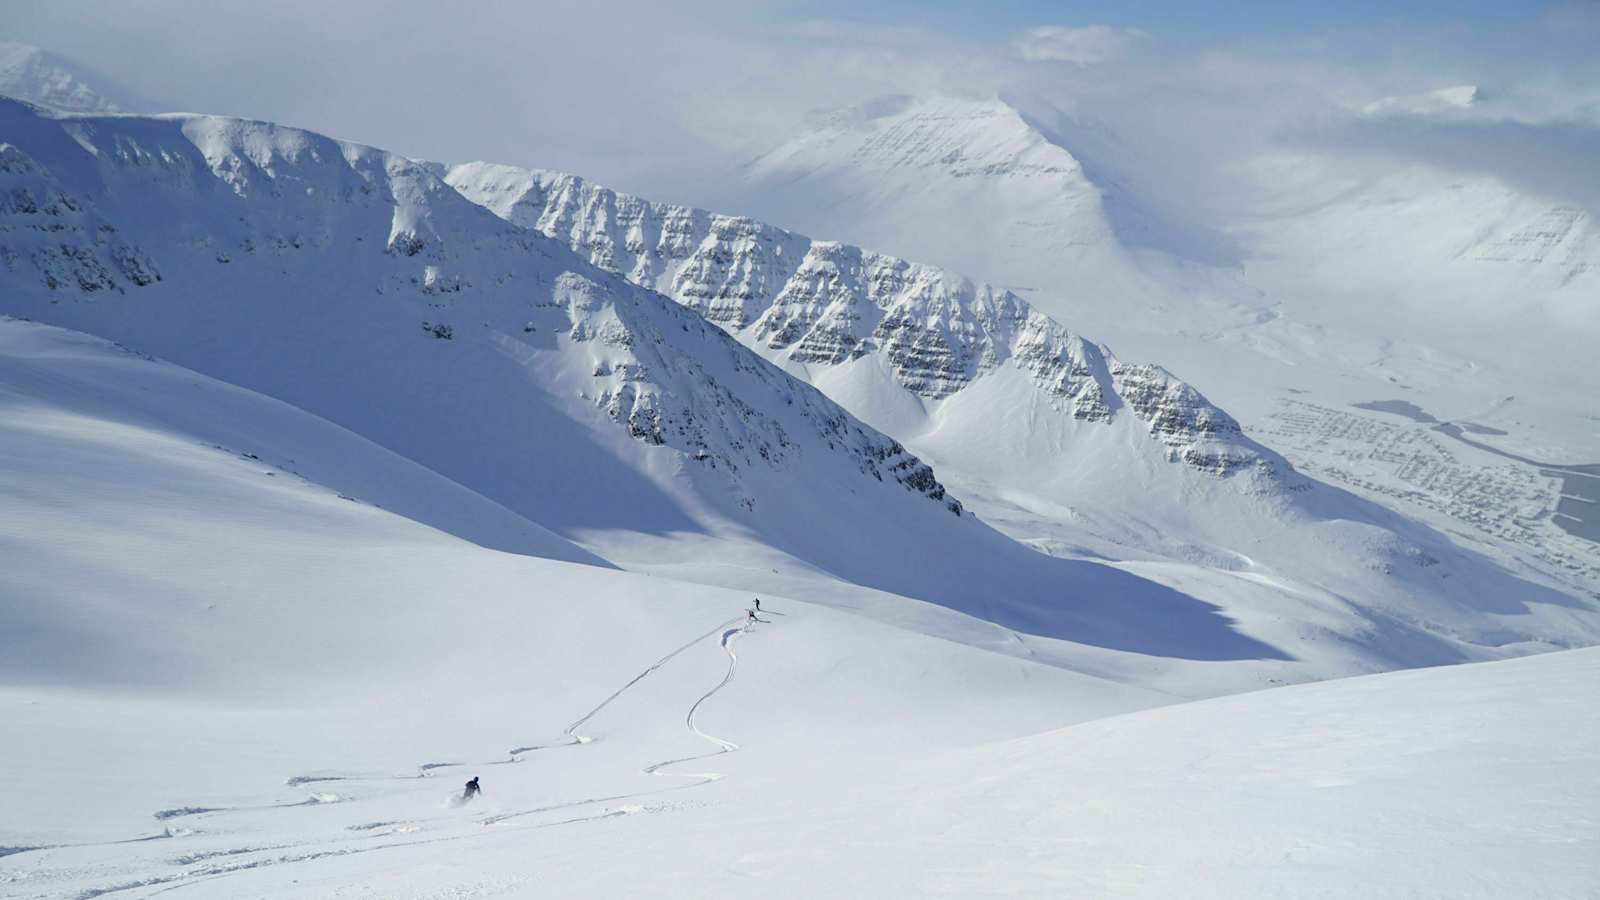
(668, 100)
(1088, 45)
(1554, 160)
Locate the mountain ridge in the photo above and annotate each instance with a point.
(1019, 412)
(827, 302)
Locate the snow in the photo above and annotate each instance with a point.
(1328, 278)
(194, 629)
(38, 76)
(269, 667)
(556, 391)
(323, 489)
(1040, 431)
(297, 658)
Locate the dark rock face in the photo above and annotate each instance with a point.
(59, 239)
(821, 304)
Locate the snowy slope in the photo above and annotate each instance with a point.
(39, 76)
(55, 381)
(1323, 276)
(1501, 254)
(298, 684)
(1464, 782)
(269, 665)
(1051, 436)
(300, 659)
(356, 286)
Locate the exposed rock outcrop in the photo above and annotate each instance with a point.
(822, 303)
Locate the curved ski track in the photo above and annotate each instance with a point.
(176, 881)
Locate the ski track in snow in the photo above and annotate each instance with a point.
(571, 730)
(729, 629)
(723, 746)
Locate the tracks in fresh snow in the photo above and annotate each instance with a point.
(572, 730)
(210, 866)
(729, 630)
(723, 746)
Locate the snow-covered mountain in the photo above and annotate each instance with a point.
(358, 286)
(1046, 433)
(225, 679)
(816, 305)
(225, 624)
(1504, 256)
(413, 317)
(969, 184)
(355, 285)
(39, 76)
(324, 488)
(1326, 276)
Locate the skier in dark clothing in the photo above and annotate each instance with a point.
(758, 604)
(472, 790)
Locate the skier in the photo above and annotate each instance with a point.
(758, 604)
(750, 618)
(472, 790)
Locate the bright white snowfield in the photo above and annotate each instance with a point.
(225, 679)
(324, 488)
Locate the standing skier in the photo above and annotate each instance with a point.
(750, 618)
(758, 604)
(472, 790)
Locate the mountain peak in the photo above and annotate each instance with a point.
(44, 78)
(939, 134)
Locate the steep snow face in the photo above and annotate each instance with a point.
(37, 76)
(818, 304)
